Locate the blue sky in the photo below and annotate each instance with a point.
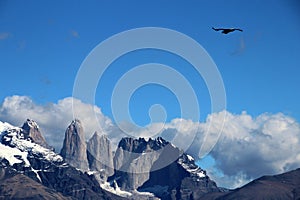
(46, 42)
(43, 44)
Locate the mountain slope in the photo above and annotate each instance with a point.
(142, 169)
(19, 186)
(282, 186)
(44, 166)
(156, 166)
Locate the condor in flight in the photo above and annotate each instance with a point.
(227, 30)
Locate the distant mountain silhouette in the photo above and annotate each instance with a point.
(282, 186)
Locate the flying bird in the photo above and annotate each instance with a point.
(227, 30)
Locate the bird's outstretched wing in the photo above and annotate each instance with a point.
(238, 29)
(217, 29)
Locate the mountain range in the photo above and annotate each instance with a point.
(138, 168)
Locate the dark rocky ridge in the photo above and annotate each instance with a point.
(140, 145)
(277, 187)
(178, 178)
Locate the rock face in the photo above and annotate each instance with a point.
(74, 146)
(157, 166)
(152, 165)
(182, 179)
(29, 170)
(133, 161)
(100, 154)
(30, 129)
(47, 175)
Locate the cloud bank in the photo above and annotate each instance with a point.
(251, 147)
(247, 148)
(53, 118)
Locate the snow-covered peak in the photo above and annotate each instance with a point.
(76, 127)
(31, 123)
(22, 153)
(15, 148)
(4, 126)
(27, 145)
(30, 129)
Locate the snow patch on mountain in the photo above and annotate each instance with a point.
(191, 168)
(15, 148)
(13, 155)
(115, 190)
(190, 157)
(4, 126)
(13, 139)
(133, 194)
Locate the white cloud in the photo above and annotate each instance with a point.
(247, 148)
(251, 147)
(53, 118)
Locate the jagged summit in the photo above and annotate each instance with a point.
(32, 123)
(18, 149)
(49, 176)
(157, 166)
(76, 122)
(139, 170)
(153, 166)
(141, 145)
(100, 153)
(76, 127)
(30, 129)
(74, 146)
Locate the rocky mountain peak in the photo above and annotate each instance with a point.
(100, 153)
(76, 127)
(140, 145)
(76, 121)
(30, 129)
(138, 165)
(157, 166)
(31, 123)
(74, 146)
(30, 171)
